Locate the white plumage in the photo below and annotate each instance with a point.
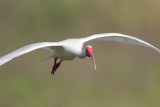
(71, 48)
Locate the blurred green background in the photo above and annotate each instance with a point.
(126, 76)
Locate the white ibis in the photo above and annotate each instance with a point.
(70, 48)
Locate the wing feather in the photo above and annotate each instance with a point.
(117, 37)
(4, 59)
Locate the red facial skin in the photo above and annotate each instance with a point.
(89, 53)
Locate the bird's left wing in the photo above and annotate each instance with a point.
(4, 59)
(119, 38)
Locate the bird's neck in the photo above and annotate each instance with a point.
(82, 54)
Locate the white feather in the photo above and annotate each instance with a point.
(4, 59)
(70, 48)
(117, 37)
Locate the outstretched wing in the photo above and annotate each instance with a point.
(4, 59)
(119, 38)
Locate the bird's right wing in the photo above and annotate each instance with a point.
(4, 59)
(117, 37)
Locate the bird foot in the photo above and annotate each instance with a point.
(55, 66)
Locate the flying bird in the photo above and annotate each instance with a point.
(70, 48)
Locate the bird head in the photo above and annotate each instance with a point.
(89, 53)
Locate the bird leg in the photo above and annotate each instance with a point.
(59, 63)
(56, 65)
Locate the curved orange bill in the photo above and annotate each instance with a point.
(91, 54)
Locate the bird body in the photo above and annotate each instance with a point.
(70, 48)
